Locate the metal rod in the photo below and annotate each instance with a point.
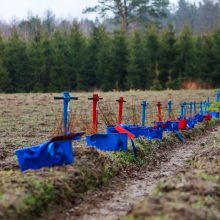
(143, 115)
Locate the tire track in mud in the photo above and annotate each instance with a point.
(113, 201)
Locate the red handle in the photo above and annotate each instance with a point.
(123, 130)
(159, 112)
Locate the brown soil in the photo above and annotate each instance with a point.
(123, 192)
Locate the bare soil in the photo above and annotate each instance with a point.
(115, 200)
(29, 119)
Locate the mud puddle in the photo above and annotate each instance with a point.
(113, 201)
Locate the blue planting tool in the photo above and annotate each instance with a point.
(66, 99)
(183, 110)
(194, 104)
(179, 135)
(208, 102)
(144, 107)
(217, 96)
(134, 149)
(201, 108)
(108, 142)
(205, 107)
(169, 109)
(191, 120)
(198, 116)
(137, 130)
(56, 151)
(172, 125)
(191, 108)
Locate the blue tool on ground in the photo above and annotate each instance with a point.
(217, 99)
(56, 151)
(140, 130)
(112, 141)
(201, 108)
(108, 142)
(66, 99)
(198, 116)
(208, 102)
(130, 136)
(215, 114)
(191, 121)
(148, 132)
(143, 113)
(171, 125)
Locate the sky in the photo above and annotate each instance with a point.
(19, 9)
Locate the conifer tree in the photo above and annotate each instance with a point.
(151, 50)
(60, 77)
(216, 55)
(167, 56)
(77, 59)
(36, 60)
(185, 64)
(204, 63)
(136, 68)
(17, 64)
(48, 64)
(104, 70)
(119, 60)
(94, 46)
(4, 78)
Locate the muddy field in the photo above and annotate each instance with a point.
(194, 193)
(28, 119)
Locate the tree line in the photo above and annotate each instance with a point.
(142, 59)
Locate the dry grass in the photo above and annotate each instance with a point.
(29, 119)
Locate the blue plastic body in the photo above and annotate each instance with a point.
(201, 108)
(208, 102)
(108, 142)
(194, 105)
(218, 96)
(154, 133)
(199, 117)
(214, 114)
(66, 101)
(191, 122)
(147, 131)
(183, 110)
(169, 109)
(205, 107)
(143, 114)
(191, 108)
(47, 154)
(171, 126)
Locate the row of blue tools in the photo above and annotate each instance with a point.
(58, 150)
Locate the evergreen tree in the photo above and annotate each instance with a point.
(36, 60)
(185, 64)
(151, 48)
(17, 64)
(216, 49)
(136, 68)
(48, 64)
(60, 78)
(93, 50)
(204, 63)
(119, 60)
(104, 71)
(77, 59)
(167, 57)
(4, 78)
